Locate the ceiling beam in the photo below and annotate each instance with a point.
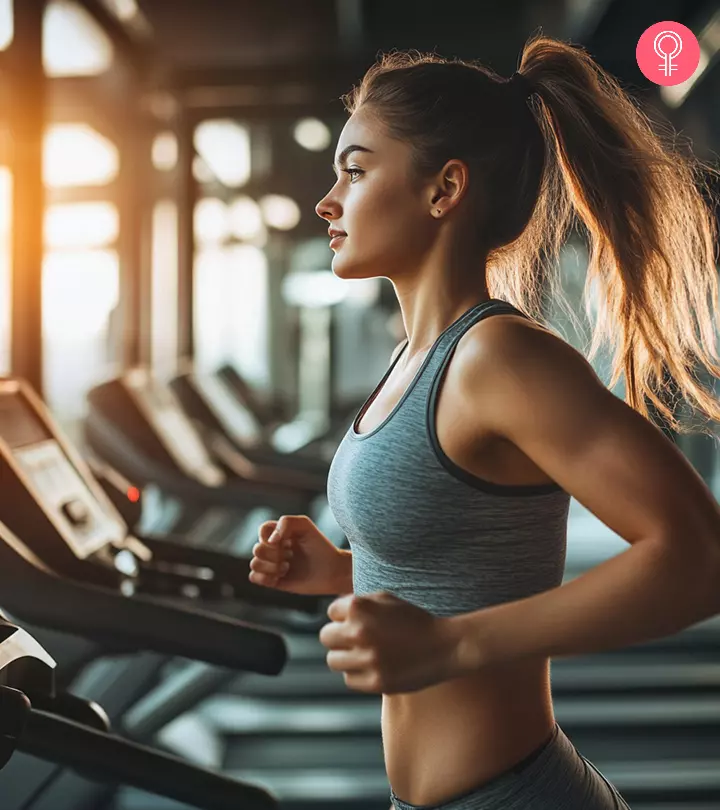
(273, 91)
(309, 73)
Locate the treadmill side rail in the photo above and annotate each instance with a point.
(110, 758)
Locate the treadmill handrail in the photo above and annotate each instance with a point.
(33, 593)
(231, 569)
(226, 452)
(113, 759)
(15, 709)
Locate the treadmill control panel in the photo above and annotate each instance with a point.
(76, 512)
(64, 496)
(174, 428)
(237, 420)
(19, 424)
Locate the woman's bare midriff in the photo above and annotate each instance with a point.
(458, 735)
(454, 737)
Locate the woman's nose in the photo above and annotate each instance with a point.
(320, 209)
(325, 210)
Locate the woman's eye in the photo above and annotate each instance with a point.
(352, 171)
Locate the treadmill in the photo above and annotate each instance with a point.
(138, 426)
(42, 727)
(231, 434)
(306, 443)
(211, 400)
(103, 585)
(266, 412)
(74, 532)
(53, 500)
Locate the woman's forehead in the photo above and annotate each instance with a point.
(365, 130)
(357, 129)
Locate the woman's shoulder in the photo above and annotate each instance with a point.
(492, 338)
(514, 354)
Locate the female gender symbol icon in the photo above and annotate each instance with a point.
(667, 67)
(678, 48)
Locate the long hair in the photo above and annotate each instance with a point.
(577, 152)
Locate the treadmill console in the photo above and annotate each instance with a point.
(19, 425)
(51, 477)
(240, 424)
(173, 427)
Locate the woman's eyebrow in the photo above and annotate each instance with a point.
(346, 153)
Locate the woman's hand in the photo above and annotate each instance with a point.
(294, 555)
(384, 644)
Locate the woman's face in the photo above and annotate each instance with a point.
(373, 201)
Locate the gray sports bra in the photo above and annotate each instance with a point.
(426, 530)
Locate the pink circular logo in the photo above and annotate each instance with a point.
(668, 53)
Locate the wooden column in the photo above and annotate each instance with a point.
(27, 123)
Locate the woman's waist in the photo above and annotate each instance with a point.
(476, 702)
(468, 730)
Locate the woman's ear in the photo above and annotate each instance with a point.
(451, 183)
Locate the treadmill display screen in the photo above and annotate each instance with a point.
(178, 434)
(162, 410)
(19, 426)
(235, 417)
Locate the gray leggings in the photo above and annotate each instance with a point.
(555, 777)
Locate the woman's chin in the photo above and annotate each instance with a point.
(342, 267)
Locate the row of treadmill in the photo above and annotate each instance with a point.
(141, 670)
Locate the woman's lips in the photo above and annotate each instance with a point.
(337, 239)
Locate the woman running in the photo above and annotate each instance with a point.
(454, 481)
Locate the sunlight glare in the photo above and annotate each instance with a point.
(5, 201)
(73, 43)
(81, 225)
(312, 134)
(78, 155)
(165, 151)
(246, 220)
(79, 289)
(280, 211)
(225, 146)
(211, 221)
(7, 30)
